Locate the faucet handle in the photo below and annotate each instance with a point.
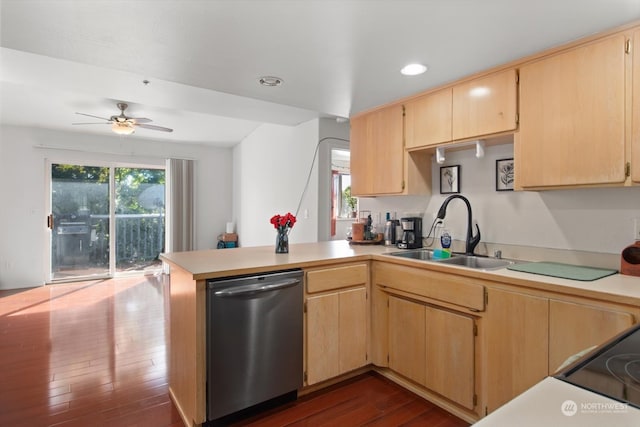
(473, 240)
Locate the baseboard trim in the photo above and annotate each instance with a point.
(183, 416)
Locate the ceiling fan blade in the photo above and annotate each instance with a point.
(140, 119)
(101, 123)
(154, 127)
(91, 115)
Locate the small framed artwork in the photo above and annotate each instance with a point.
(504, 175)
(450, 179)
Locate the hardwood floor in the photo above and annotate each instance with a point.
(367, 400)
(86, 354)
(94, 354)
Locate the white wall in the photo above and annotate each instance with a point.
(23, 191)
(594, 220)
(270, 170)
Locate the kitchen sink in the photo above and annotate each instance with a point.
(421, 254)
(469, 261)
(477, 262)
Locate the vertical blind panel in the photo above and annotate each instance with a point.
(181, 205)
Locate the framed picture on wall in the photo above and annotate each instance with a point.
(504, 175)
(450, 179)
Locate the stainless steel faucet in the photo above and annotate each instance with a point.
(472, 241)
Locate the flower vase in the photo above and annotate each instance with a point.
(282, 242)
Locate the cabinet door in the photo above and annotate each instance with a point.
(450, 355)
(377, 152)
(323, 337)
(388, 150)
(576, 327)
(516, 343)
(428, 119)
(360, 169)
(407, 348)
(635, 136)
(572, 117)
(353, 330)
(485, 105)
(336, 334)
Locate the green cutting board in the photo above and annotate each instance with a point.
(564, 271)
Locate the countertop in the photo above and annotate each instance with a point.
(553, 402)
(213, 263)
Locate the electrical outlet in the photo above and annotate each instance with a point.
(636, 228)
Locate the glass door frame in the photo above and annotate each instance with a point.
(112, 165)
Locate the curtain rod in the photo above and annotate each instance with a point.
(79, 150)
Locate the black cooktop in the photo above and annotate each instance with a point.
(612, 371)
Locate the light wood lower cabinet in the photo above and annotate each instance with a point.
(575, 327)
(528, 337)
(433, 347)
(407, 339)
(516, 343)
(451, 355)
(336, 321)
(353, 329)
(469, 344)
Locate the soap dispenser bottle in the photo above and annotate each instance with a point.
(445, 241)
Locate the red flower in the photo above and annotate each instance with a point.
(283, 221)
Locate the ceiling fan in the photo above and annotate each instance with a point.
(123, 124)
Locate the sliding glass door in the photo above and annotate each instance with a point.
(79, 221)
(105, 220)
(139, 215)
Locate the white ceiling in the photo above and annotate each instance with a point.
(203, 58)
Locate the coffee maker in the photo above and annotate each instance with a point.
(411, 233)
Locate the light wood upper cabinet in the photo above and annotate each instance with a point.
(635, 134)
(572, 117)
(428, 119)
(576, 327)
(377, 152)
(336, 333)
(361, 169)
(485, 105)
(516, 343)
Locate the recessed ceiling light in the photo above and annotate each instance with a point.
(413, 69)
(270, 81)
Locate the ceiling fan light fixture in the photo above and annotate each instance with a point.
(123, 128)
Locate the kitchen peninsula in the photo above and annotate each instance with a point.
(510, 330)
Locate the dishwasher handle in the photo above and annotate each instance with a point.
(255, 289)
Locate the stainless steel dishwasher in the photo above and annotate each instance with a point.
(254, 340)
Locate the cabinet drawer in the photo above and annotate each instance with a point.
(327, 279)
(450, 288)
